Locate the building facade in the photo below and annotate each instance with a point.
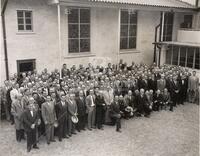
(47, 33)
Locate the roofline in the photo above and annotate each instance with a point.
(72, 3)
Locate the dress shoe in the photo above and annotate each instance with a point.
(36, 147)
(66, 137)
(74, 133)
(53, 140)
(28, 149)
(60, 140)
(119, 131)
(48, 143)
(84, 129)
(90, 129)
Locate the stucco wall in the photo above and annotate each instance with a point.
(42, 44)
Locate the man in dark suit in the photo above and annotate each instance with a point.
(183, 82)
(100, 109)
(175, 88)
(115, 113)
(62, 117)
(80, 101)
(30, 122)
(142, 106)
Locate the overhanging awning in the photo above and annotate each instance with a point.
(187, 44)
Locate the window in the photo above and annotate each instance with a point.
(25, 65)
(197, 59)
(183, 51)
(169, 55)
(183, 56)
(187, 23)
(168, 26)
(128, 29)
(175, 55)
(24, 20)
(79, 30)
(190, 57)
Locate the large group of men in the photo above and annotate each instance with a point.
(63, 102)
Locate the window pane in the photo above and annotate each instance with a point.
(175, 55)
(20, 21)
(133, 18)
(28, 21)
(124, 17)
(197, 58)
(85, 15)
(124, 43)
(28, 27)
(20, 27)
(132, 42)
(73, 45)
(73, 30)
(169, 55)
(182, 56)
(84, 45)
(85, 31)
(190, 56)
(27, 13)
(124, 31)
(132, 30)
(73, 16)
(19, 13)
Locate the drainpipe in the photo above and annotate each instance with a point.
(59, 37)
(4, 36)
(161, 34)
(197, 3)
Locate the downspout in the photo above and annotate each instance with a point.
(161, 34)
(59, 37)
(4, 37)
(197, 3)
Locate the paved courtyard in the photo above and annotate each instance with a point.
(163, 134)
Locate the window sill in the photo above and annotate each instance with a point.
(79, 55)
(25, 33)
(129, 51)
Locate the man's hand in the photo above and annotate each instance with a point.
(45, 122)
(33, 126)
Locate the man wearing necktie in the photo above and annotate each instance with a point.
(30, 120)
(91, 109)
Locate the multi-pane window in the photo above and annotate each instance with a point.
(128, 29)
(183, 56)
(24, 20)
(187, 23)
(197, 59)
(168, 26)
(79, 30)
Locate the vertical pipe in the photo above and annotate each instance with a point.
(119, 26)
(4, 5)
(59, 38)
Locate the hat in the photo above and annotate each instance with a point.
(74, 119)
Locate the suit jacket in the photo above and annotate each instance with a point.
(72, 107)
(158, 98)
(48, 112)
(193, 83)
(81, 106)
(175, 87)
(129, 101)
(61, 111)
(17, 111)
(28, 119)
(89, 102)
(114, 109)
(161, 84)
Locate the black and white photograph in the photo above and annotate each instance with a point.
(100, 78)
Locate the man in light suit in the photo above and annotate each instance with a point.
(90, 105)
(72, 111)
(193, 87)
(49, 117)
